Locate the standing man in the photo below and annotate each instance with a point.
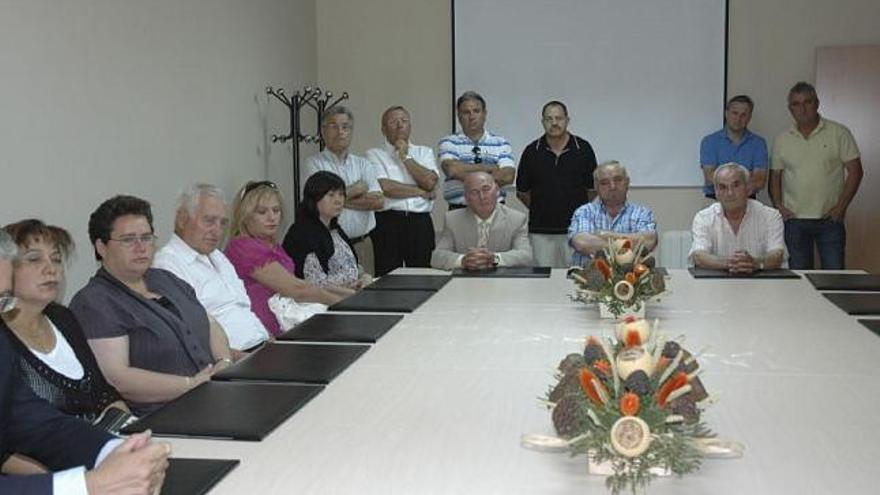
(554, 178)
(192, 254)
(610, 215)
(407, 174)
(485, 234)
(815, 172)
(363, 195)
(737, 234)
(474, 150)
(735, 143)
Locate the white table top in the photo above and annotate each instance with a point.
(439, 404)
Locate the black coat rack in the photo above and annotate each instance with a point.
(318, 101)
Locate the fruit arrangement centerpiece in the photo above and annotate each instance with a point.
(632, 404)
(620, 277)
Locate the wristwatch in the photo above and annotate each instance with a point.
(496, 259)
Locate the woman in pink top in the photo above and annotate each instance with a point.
(259, 259)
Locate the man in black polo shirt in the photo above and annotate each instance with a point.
(555, 176)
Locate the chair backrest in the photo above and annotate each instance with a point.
(674, 248)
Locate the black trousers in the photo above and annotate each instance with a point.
(402, 239)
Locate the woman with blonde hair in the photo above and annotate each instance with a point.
(258, 258)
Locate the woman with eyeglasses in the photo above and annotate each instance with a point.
(259, 259)
(152, 338)
(54, 358)
(319, 247)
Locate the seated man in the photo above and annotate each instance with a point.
(610, 215)
(484, 235)
(33, 427)
(737, 234)
(192, 255)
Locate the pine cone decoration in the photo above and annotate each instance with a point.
(569, 384)
(687, 407)
(568, 418)
(571, 363)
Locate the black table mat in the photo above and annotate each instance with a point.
(762, 274)
(327, 327)
(856, 304)
(238, 411)
(195, 476)
(384, 301)
(505, 272)
(872, 325)
(410, 282)
(293, 363)
(845, 281)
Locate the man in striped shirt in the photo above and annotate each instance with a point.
(474, 150)
(610, 215)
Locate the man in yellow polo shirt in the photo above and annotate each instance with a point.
(815, 171)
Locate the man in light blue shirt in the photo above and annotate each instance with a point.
(735, 143)
(609, 215)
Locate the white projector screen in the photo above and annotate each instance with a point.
(644, 81)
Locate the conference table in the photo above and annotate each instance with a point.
(440, 403)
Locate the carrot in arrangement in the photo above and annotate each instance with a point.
(588, 385)
(633, 339)
(603, 267)
(677, 381)
(629, 404)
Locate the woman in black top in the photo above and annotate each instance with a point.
(55, 358)
(317, 244)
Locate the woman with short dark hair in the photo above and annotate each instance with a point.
(316, 242)
(151, 336)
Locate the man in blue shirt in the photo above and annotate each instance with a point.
(735, 143)
(610, 216)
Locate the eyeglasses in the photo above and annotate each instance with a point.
(129, 241)
(478, 158)
(253, 185)
(7, 303)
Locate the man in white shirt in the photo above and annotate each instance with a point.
(407, 174)
(737, 234)
(192, 254)
(363, 195)
(65, 444)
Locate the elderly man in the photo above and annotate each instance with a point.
(31, 426)
(737, 234)
(554, 178)
(192, 254)
(407, 174)
(735, 143)
(814, 174)
(363, 195)
(610, 215)
(474, 150)
(484, 235)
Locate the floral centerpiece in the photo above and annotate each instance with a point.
(632, 404)
(620, 277)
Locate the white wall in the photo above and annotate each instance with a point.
(101, 97)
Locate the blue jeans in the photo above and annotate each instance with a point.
(829, 237)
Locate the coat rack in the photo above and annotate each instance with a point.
(310, 97)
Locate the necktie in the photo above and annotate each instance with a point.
(483, 233)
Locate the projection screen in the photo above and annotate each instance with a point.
(644, 81)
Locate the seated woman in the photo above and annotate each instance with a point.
(151, 337)
(318, 245)
(54, 358)
(258, 258)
